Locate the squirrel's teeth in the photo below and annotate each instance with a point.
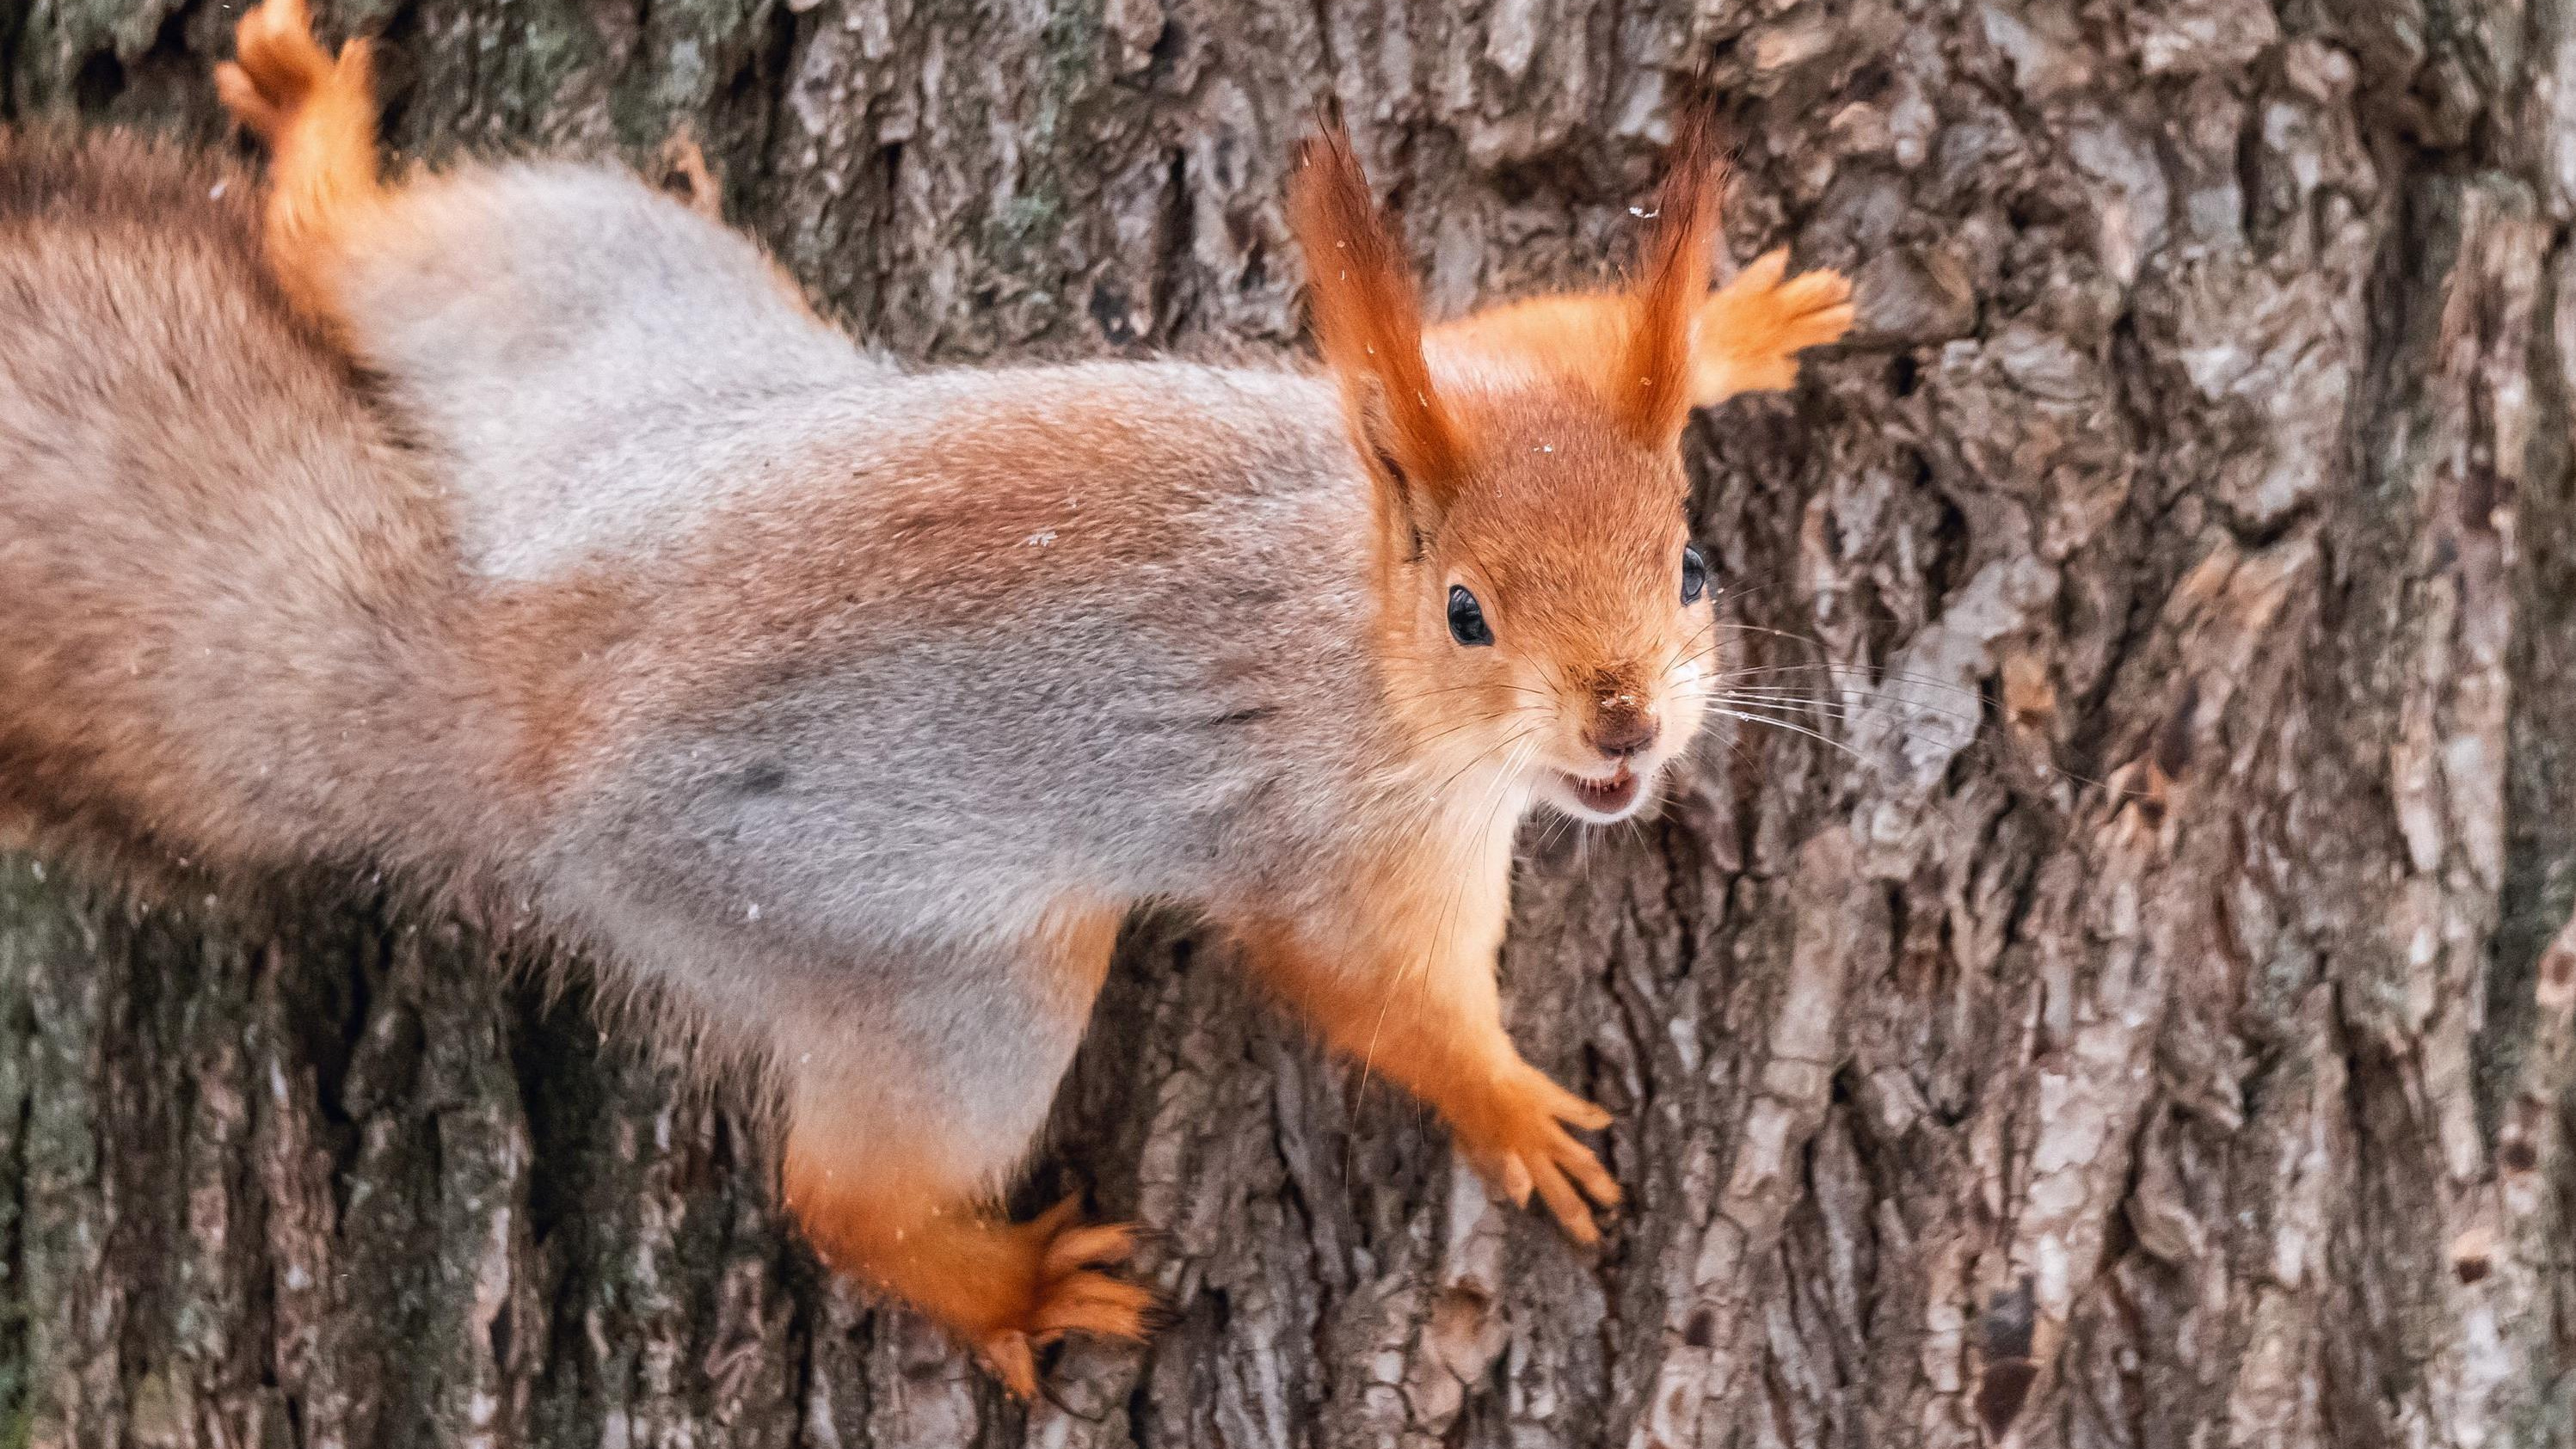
(1604, 791)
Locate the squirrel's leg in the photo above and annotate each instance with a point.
(1406, 985)
(1750, 331)
(317, 116)
(901, 1133)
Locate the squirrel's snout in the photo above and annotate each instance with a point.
(1622, 726)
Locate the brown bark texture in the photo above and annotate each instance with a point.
(2132, 1006)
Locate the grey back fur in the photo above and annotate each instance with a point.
(911, 657)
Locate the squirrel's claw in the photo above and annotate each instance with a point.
(1093, 1303)
(1094, 1247)
(1013, 1360)
(1070, 1294)
(1521, 1146)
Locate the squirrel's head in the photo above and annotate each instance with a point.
(1545, 609)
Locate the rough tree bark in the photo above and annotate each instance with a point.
(2185, 1060)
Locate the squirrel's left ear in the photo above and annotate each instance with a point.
(1656, 385)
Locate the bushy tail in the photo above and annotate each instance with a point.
(318, 119)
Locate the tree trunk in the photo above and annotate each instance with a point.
(2182, 1060)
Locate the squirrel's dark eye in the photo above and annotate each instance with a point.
(1694, 574)
(1466, 619)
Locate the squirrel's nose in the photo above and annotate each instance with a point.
(1621, 726)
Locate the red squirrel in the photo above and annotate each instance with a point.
(847, 707)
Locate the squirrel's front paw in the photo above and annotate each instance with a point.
(1067, 1293)
(1517, 1139)
(1752, 329)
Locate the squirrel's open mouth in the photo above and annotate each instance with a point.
(1608, 798)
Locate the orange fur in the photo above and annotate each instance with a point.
(326, 199)
(1007, 1289)
(1748, 333)
(1652, 389)
(1668, 344)
(1078, 934)
(318, 120)
(686, 175)
(1369, 325)
(1561, 513)
(1747, 338)
(1527, 452)
(1399, 975)
(1415, 1001)
(1752, 329)
(895, 1204)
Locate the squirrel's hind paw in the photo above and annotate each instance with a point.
(278, 67)
(1071, 1294)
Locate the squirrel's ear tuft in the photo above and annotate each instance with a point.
(1369, 326)
(1654, 391)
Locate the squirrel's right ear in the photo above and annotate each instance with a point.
(1656, 382)
(1369, 327)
